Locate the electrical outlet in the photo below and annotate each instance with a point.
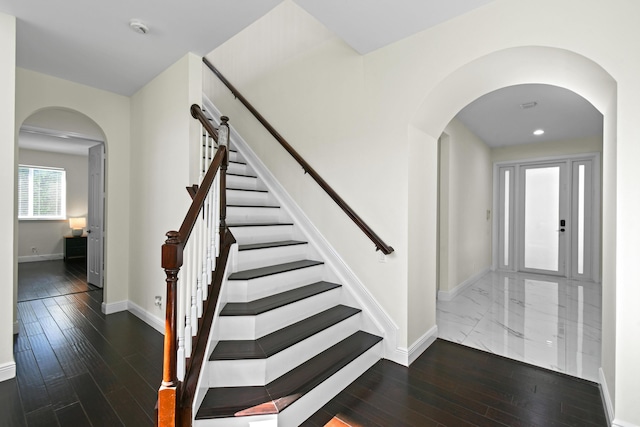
(158, 301)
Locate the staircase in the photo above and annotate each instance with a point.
(288, 337)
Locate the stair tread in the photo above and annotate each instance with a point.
(242, 174)
(247, 189)
(277, 341)
(253, 206)
(272, 302)
(258, 224)
(282, 392)
(286, 337)
(254, 273)
(268, 245)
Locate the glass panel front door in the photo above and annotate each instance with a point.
(544, 223)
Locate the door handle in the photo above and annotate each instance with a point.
(89, 231)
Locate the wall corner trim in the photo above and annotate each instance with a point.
(7, 371)
(606, 396)
(142, 314)
(148, 318)
(449, 295)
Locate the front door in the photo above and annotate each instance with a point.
(545, 224)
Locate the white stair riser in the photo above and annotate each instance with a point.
(254, 327)
(249, 290)
(229, 373)
(250, 214)
(255, 198)
(235, 157)
(246, 182)
(308, 404)
(264, 234)
(256, 258)
(239, 168)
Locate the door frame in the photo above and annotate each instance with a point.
(95, 239)
(595, 213)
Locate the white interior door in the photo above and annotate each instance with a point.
(544, 227)
(95, 215)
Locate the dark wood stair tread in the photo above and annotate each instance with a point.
(247, 189)
(273, 269)
(272, 302)
(258, 224)
(279, 340)
(254, 206)
(282, 392)
(269, 245)
(241, 174)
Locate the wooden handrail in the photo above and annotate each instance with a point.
(175, 398)
(380, 244)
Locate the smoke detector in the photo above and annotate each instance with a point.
(138, 26)
(528, 105)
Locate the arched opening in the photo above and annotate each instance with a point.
(515, 66)
(519, 253)
(60, 177)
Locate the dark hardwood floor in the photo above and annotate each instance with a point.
(76, 366)
(452, 385)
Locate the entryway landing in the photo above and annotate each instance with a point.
(546, 321)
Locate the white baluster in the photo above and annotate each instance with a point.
(187, 301)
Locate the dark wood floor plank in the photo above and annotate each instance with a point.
(72, 416)
(128, 410)
(454, 385)
(10, 404)
(96, 406)
(44, 417)
(33, 392)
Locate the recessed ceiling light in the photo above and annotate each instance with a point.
(538, 132)
(138, 26)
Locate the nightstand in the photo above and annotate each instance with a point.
(75, 247)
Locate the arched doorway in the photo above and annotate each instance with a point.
(514, 66)
(69, 145)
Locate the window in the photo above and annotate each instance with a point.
(42, 193)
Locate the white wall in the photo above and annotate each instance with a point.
(326, 99)
(465, 235)
(547, 149)
(46, 236)
(35, 91)
(161, 154)
(311, 87)
(7, 192)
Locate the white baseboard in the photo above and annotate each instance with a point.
(606, 397)
(115, 307)
(7, 371)
(142, 314)
(148, 318)
(449, 295)
(621, 423)
(36, 258)
(406, 357)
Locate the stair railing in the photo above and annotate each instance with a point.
(380, 244)
(197, 255)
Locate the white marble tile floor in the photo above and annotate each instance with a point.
(547, 321)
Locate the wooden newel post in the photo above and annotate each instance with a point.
(168, 406)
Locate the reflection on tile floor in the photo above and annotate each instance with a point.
(546, 321)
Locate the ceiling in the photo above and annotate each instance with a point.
(509, 116)
(91, 43)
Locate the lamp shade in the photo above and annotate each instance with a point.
(77, 223)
